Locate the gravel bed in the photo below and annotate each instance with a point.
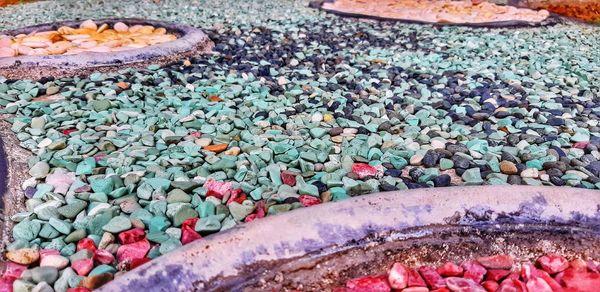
(295, 108)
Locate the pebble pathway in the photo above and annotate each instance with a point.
(289, 112)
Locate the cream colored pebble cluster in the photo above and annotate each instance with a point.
(89, 37)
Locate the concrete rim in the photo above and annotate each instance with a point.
(320, 228)
(191, 41)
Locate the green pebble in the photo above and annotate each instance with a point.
(446, 163)
(169, 245)
(178, 196)
(117, 224)
(183, 214)
(472, 176)
(76, 235)
(210, 223)
(26, 230)
(73, 208)
(158, 223)
(102, 269)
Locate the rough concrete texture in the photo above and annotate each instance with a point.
(191, 41)
(323, 229)
(11, 178)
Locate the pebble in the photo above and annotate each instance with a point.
(206, 137)
(508, 167)
(57, 261)
(24, 256)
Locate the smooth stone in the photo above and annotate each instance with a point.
(23, 256)
(39, 170)
(56, 261)
(117, 224)
(44, 274)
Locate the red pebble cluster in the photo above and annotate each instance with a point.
(550, 273)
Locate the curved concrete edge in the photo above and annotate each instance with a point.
(314, 229)
(191, 41)
(553, 19)
(12, 196)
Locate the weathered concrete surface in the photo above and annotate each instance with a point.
(191, 41)
(329, 227)
(13, 173)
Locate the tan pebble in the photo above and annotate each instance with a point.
(24, 50)
(94, 282)
(5, 42)
(73, 37)
(38, 52)
(7, 52)
(121, 27)
(65, 30)
(112, 44)
(24, 256)
(135, 28)
(88, 44)
(102, 28)
(233, 151)
(160, 30)
(36, 45)
(107, 238)
(89, 24)
(59, 47)
(146, 29)
(187, 63)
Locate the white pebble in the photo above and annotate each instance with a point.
(54, 260)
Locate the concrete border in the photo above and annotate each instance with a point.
(191, 41)
(322, 228)
(11, 194)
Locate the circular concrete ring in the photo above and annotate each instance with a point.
(543, 219)
(191, 41)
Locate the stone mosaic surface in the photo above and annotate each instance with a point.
(295, 108)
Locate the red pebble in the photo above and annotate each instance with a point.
(416, 289)
(398, 276)
(132, 251)
(581, 280)
(307, 200)
(363, 170)
(457, 284)
(188, 234)
(99, 157)
(13, 270)
(237, 196)
(196, 134)
(473, 270)
(83, 267)
(578, 265)
(528, 271)
(6, 283)
(288, 177)
(512, 285)
(132, 235)
(553, 263)
(503, 262)
(86, 243)
(78, 289)
(432, 278)
(46, 252)
(369, 284)
(190, 222)
(138, 262)
(490, 286)
(415, 279)
(450, 269)
(552, 282)
(259, 212)
(68, 132)
(104, 256)
(440, 290)
(538, 285)
(592, 266)
(581, 145)
(217, 188)
(496, 275)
